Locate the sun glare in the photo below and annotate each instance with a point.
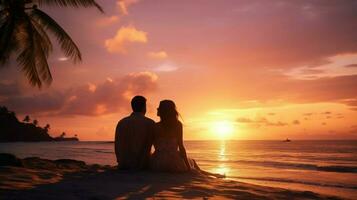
(223, 129)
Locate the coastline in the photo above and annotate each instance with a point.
(71, 179)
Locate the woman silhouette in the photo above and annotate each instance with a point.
(170, 153)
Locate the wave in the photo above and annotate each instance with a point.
(283, 180)
(290, 165)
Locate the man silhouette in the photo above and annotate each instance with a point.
(133, 137)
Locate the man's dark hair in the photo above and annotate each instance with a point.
(138, 103)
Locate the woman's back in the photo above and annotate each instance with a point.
(165, 139)
(166, 143)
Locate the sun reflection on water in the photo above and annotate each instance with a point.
(222, 151)
(222, 168)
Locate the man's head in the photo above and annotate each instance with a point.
(138, 104)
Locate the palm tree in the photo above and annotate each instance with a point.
(62, 135)
(23, 31)
(47, 127)
(3, 109)
(35, 122)
(26, 119)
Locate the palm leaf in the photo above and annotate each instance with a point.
(27, 56)
(34, 55)
(7, 46)
(73, 3)
(69, 48)
(41, 59)
(43, 47)
(46, 43)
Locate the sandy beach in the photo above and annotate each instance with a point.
(36, 178)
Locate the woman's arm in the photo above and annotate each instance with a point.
(182, 148)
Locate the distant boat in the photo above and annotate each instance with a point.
(287, 140)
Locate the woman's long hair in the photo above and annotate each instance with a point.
(168, 114)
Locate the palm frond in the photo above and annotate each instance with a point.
(7, 46)
(43, 46)
(45, 41)
(27, 56)
(69, 48)
(41, 58)
(73, 3)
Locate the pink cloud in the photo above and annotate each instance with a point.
(110, 96)
(124, 36)
(123, 5)
(261, 122)
(107, 21)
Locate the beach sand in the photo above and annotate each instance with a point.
(69, 179)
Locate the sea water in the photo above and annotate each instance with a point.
(327, 167)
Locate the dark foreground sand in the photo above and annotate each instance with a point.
(68, 179)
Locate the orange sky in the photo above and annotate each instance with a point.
(237, 69)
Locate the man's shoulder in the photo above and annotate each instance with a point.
(123, 120)
(131, 118)
(149, 120)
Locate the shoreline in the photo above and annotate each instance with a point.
(71, 179)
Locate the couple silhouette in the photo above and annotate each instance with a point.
(136, 134)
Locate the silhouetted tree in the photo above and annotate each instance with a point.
(35, 122)
(12, 130)
(62, 135)
(4, 110)
(47, 127)
(26, 119)
(23, 31)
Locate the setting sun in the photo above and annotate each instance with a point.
(223, 129)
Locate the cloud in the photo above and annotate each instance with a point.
(351, 102)
(108, 97)
(351, 65)
(107, 21)
(339, 89)
(339, 116)
(312, 71)
(244, 120)
(324, 89)
(41, 103)
(260, 122)
(123, 5)
(124, 36)
(157, 55)
(279, 123)
(9, 89)
(296, 122)
(166, 67)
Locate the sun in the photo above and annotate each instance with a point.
(223, 129)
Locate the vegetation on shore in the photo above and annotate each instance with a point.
(13, 130)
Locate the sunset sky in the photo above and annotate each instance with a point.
(237, 69)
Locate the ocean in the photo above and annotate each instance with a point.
(327, 167)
